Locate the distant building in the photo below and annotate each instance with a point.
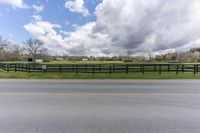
(84, 59)
(39, 60)
(32, 60)
(59, 59)
(27, 59)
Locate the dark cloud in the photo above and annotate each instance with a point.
(137, 25)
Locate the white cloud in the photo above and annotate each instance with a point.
(140, 25)
(46, 31)
(37, 17)
(15, 3)
(38, 8)
(77, 6)
(80, 42)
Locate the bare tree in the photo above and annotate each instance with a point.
(4, 49)
(35, 48)
(3, 44)
(15, 52)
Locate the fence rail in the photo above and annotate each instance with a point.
(103, 68)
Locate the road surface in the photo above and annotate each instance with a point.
(59, 106)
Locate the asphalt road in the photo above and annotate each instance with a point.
(58, 106)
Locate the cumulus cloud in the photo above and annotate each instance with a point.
(140, 25)
(38, 8)
(80, 42)
(150, 24)
(15, 3)
(46, 32)
(77, 6)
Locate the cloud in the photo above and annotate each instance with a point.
(15, 3)
(150, 25)
(37, 18)
(77, 6)
(80, 42)
(157, 26)
(38, 8)
(39, 27)
(46, 32)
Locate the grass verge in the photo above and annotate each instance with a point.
(35, 75)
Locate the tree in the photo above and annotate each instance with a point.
(15, 52)
(3, 44)
(193, 50)
(35, 48)
(4, 49)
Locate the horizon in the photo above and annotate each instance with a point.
(103, 27)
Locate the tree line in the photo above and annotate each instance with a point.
(193, 55)
(35, 49)
(32, 48)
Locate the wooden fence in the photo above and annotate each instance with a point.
(103, 68)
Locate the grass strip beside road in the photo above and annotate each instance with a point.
(37, 75)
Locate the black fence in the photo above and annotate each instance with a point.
(103, 68)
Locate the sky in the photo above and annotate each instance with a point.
(103, 27)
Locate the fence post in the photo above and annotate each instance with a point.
(127, 67)
(15, 67)
(155, 68)
(8, 68)
(29, 68)
(77, 69)
(93, 70)
(142, 68)
(110, 70)
(177, 69)
(160, 69)
(168, 67)
(183, 68)
(197, 69)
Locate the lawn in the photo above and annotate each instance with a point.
(36, 75)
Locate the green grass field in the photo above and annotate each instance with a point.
(57, 75)
(35, 75)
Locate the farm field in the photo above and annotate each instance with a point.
(99, 70)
